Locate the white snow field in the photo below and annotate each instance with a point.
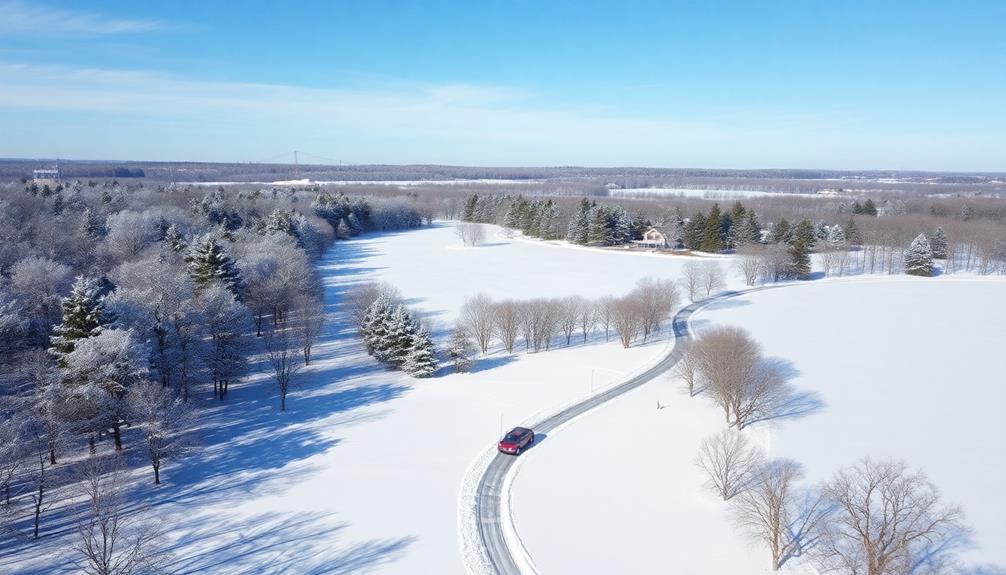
(903, 367)
(363, 472)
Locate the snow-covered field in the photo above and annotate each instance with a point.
(363, 471)
(905, 368)
(706, 194)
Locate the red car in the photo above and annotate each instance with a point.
(519, 439)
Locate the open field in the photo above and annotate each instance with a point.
(619, 490)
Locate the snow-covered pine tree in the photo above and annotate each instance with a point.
(939, 244)
(209, 263)
(752, 227)
(579, 224)
(84, 315)
(355, 227)
(91, 224)
(402, 330)
(852, 233)
(343, 231)
(174, 239)
(375, 325)
(622, 233)
(919, 257)
(421, 359)
(800, 257)
(836, 236)
(461, 350)
(598, 232)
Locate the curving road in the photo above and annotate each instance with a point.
(490, 488)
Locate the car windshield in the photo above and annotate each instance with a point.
(513, 436)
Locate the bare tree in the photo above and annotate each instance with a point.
(606, 313)
(477, 316)
(889, 519)
(113, 541)
(691, 279)
(627, 318)
(729, 461)
(282, 348)
(310, 318)
(773, 510)
(471, 234)
(588, 318)
(657, 299)
(164, 421)
(688, 369)
(746, 386)
(569, 315)
(712, 277)
(748, 263)
(506, 319)
(359, 297)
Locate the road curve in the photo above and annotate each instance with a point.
(491, 522)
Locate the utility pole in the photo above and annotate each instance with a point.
(296, 166)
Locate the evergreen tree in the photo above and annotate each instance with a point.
(598, 232)
(84, 315)
(374, 327)
(402, 330)
(623, 226)
(711, 241)
(781, 232)
(421, 360)
(343, 231)
(939, 244)
(800, 256)
(208, 263)
(804, 233)
(470, 209)
(91, 225)
(510, 219)
(461, 350)
(919, 257)
(869, 208)
(836, 237)
(174, 239)
(852, 234)
(695, 230)
(752, 228)
(578, 225)
(355, 227)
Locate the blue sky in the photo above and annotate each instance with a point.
(802, 84)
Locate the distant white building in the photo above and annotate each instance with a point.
(46, 177)
(659, 239)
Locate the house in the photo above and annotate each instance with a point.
(655, 238)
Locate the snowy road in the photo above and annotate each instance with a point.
(493, 520)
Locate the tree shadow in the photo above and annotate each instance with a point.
(790, 403)
(491, 362)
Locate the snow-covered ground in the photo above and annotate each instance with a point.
(363, 472)
(701, 193)
(905, 367)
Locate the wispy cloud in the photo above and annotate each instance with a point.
(20, 18)
(104, 113)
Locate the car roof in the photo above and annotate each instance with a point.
(519, 430)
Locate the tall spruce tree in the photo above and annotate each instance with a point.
(578, 225)
(852, 234)
(209, 263)
(421, 359)
(919, 257)
(799, 254)
(804, 233)
(84, 315)
(939, 244)
(174, 239)
(695, 228)
(781, 232)
(711, 240)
